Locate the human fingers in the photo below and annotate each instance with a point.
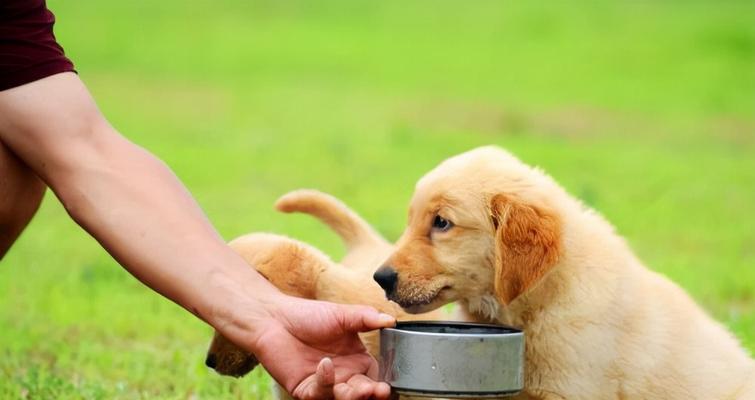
(356, 318)
(360, 387)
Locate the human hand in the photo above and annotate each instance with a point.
(312, 349)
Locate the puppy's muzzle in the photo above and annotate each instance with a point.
(387, 278)
(211, 361)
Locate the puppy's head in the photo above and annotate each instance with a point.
(481, 225)
(291, 266)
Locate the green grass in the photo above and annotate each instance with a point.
(645, 110)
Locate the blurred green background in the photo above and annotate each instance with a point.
(646, 110)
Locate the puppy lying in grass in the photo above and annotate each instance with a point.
(515, 248)
(301, 270)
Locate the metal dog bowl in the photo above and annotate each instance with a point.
(452, 359)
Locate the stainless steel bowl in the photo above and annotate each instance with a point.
(452, 359)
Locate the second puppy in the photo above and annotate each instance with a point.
(301, 270)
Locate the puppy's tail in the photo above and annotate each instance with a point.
(353, 229)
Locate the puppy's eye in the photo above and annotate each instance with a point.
(441, 224)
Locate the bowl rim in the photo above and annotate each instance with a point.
(404, 328)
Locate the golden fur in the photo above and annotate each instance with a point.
(301, 270)
(523, 252)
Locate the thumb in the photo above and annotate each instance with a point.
(326, 374)
(363, 319)
(320, 385)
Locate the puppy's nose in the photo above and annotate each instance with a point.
(387, 278)
(211, 361)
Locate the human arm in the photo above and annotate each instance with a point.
(141, 214)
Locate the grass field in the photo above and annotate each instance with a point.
(646, 110)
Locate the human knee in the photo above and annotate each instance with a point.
(22, 188)
(20, 206)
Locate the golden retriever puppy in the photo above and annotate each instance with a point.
(301, 270)
(514, 248)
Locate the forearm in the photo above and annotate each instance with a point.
(139, 211)
(127, 199)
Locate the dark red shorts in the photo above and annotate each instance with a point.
(28, 50)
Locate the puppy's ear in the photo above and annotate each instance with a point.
(289, 265)
(528, 241)
(292, 270)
